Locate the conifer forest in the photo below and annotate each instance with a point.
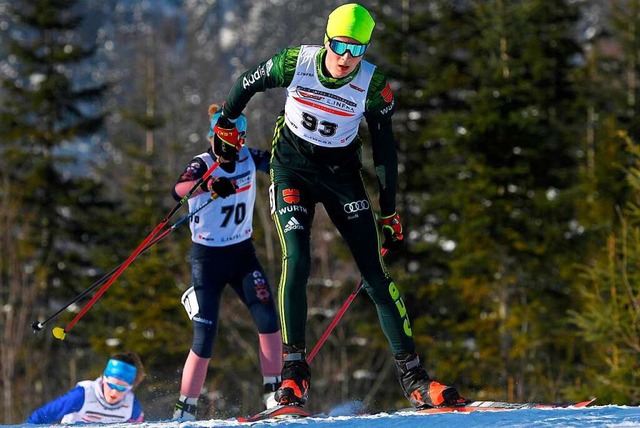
(518, 130)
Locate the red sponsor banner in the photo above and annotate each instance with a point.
(323, 107)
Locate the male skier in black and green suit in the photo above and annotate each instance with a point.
(316, 158)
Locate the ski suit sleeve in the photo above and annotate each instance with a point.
(137, 415)
(54, 411)
(196, 169)
(261, 159)
(276, 72)
(378, 111)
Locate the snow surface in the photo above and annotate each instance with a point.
(595, 416)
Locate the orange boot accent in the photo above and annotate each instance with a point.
(435, 392)
(300, 394)
(293, 386)
(418, 397)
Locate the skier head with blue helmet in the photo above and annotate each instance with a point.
(120, 375)
(108, 398)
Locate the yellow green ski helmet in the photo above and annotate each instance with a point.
(350, 20)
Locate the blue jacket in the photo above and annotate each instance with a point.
(86, 403)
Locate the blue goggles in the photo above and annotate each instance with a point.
(340, 48)
(119, 388)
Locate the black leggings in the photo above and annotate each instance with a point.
(212, 268)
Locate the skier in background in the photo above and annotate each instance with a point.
(317, 159)
(106, 399)
(223, 253)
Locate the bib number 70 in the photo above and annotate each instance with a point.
(326, 129)
(237, 213)
(231, 213)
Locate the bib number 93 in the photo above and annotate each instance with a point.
(325, 128)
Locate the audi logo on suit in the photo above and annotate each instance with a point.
(354, 207)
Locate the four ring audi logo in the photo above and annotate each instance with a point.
(354, 207)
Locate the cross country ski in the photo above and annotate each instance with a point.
(295, 412)
(484, 406)
(283, 411)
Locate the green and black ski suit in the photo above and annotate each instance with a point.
(314, 162)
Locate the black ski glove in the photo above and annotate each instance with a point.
(224, 122)
(227, 139)
(221, 186)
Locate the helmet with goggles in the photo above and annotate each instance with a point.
(350, 20)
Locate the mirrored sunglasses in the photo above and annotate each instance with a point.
(340, 48)
(119, 388)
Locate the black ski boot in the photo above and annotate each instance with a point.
(296, 376)
(419, 389)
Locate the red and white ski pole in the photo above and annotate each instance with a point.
(37, 325)
(59, 332)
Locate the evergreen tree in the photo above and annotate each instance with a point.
(608, 102)
(606, 313)
(49, 105)
(141, 310)
(609, 314)
(487, 94)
